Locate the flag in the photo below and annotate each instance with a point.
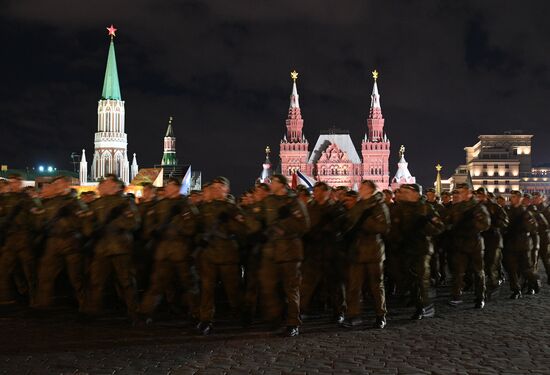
(186, 183)
(305, 180)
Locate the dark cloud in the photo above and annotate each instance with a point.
(450, 71)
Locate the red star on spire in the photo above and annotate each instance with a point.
(112, 30)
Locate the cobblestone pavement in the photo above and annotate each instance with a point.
(507, 337)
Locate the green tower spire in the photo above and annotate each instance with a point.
(169, 156)
(111, 88)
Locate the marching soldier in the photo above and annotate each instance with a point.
(368, 221)
(468, 219)
(492, 239)
(143, 254)
(416, 223)
(395, 267)
(323, 262)
(541, 221)
(61, 226)
(222, 223)
(518, 246)
(544, 232)
(252, 258)
(111, 222)
(15, 240)
(444, 239)
(286, 221)
(437, 261)
(171, 224)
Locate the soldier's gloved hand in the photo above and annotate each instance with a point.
(223, 217)
(284, 212)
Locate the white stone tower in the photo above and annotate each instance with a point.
(111, 142)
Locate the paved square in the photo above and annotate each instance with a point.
(507, 337)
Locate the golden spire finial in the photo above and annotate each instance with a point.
(438, 167)
(375, 74)
(401, 151)
(267, 150)
(294, 75)
(170, 120)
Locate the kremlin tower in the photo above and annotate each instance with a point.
(375, 148)
(169, 155)
(110, 143)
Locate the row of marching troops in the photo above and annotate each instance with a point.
(277, 250)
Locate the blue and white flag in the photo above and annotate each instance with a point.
(307, 181)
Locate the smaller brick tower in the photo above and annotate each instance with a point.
(294, 146)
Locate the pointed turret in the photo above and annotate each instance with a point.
(266, 171)
(294, 145)
(111, 88)
(402, 166)
(294, 97)
(375, 121)
(403, 176)
(375, 147)
(438, 189)
(134, 169)
(375, 96)
(169, 155)
(169, 130)
(83, 176)
(294, 121)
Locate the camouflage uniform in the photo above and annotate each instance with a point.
(323, 262)
(222, 222)
(286, 221)
(415, 225)
(143, 253)
(252, 257)
(468, 219)
(518, 245)
(438, 261)
(369, 220)
(62, 229)
(17, 250)
(395, 265)
(172, 225)
(112, 224)
(544, 252)
(493, 241)
(541, 238)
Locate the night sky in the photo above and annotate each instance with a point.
(449, 71)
